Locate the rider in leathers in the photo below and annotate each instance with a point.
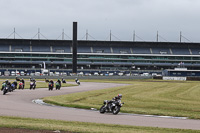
(117, 98)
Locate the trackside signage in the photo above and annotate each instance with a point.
(174, 78)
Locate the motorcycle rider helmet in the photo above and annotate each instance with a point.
(120, 95)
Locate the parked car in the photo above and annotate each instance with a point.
(13, 73)
(111, 74)
(87, 74)
(96, 74)
(120, 74)
(51, 74)
(37, 73)
(80, 74)
(63, 74)
(57, 74)
(22, 73)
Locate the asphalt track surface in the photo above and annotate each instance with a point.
(19, 103)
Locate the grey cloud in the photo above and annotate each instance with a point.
(169, 17)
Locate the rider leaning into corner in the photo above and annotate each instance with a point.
(59, 82)
(117, 98)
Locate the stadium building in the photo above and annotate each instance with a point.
(97, 56)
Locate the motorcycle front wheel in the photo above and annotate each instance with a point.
(116, 110)
(4, 92)
(102, 110)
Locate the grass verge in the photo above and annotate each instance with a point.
(155, 97)
(69, 126)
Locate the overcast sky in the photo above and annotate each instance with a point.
(122, 17)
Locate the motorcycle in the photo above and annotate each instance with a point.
(111, 107)
(12, 88)
(20, 85)
(63, 81)
(32, 85)
(50, 86)
(5, 90)
(78, 82)
(57, 86)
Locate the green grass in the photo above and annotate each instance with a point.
(155, 97)
(39, 84)
(82, 127)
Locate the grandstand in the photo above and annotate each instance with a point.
(29, 54)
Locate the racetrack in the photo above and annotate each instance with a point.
(19, 103)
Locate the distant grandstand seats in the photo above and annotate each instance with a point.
(163, 64)
(84, 49)
(195, 51)
(121, 50)
(143, 63)
(159, 50)
(102, 63)
(4, 48)
(180, 51)
(141, 50)
(20, 48)
(61, 49)
(101, 50)
(41, 48)
(122, 63)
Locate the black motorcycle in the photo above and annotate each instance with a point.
(50, 86)
(63, 81)
(78, 82)
(32, 85)
(111, 107)
(12, 87)
(5, 90)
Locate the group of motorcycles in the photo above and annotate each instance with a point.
(58, 83)
(51, 86)
(112, 106)
(8, 87)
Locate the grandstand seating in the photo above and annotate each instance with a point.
(195, 51)
(142, 63)
(4, 48)
(84, 49)
(180, 51)
(122, 63)
(61, 49)
(111, 54)
(163, 64)
(141, 50)
(20, 48)
(121, 50)
(101, 49)
(102, 63)
(84, 62)
(41, 48)
(160, 50)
